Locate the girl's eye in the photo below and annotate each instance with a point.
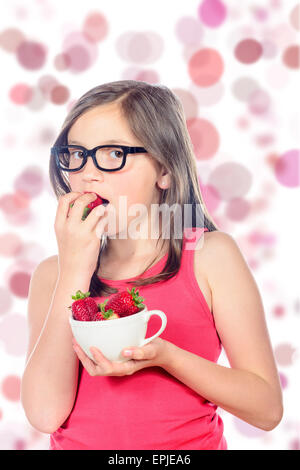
(120, 153)
(73, 154)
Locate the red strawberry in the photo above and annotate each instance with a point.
(124, 303)
(90, 206)
(97, 316)
(102, 315)
(106, 314)
(84, 308)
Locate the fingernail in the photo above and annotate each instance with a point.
(127, 352)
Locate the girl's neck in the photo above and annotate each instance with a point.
(130, 265)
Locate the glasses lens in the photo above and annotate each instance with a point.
(70, 157)
(109, 158)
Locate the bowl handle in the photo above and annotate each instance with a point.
(163, 324)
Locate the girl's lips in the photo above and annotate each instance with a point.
(105, 201)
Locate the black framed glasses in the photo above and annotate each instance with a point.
(105, 157)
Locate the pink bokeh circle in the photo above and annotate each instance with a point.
(21, 93)
(204, 136)
(95, 27)
(31, 54)
(287, 169)
(205, 67)
(11, 386)
(212, 13)
(248, 51)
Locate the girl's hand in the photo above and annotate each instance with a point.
(78, 240)
(152, 354)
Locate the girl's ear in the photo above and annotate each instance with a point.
(164, 181)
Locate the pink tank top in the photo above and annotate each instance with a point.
(151, 409)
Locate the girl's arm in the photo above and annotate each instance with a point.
(49, 381)
(250, 389)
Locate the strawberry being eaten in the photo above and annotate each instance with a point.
(97, 202)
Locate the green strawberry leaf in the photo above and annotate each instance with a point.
(80, 295)
(135, 297)
(108, 313)
(102, 306)
(86, 212)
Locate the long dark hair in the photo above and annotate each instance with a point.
(156, 117)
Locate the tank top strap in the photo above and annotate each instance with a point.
(187, 272)
(190, 244)
(191, 237)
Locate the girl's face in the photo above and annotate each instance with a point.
(139, 180)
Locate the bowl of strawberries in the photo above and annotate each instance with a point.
(113, 325)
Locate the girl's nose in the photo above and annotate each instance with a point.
(90, 170)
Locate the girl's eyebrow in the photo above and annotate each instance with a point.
(111, 141)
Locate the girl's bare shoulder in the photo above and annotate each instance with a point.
(47, 270)
(210, 249)
(222, 262)
(211, 244)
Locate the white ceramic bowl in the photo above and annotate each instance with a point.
(112, 336)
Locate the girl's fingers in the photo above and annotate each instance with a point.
(100, 359)
(79, 205)
(64, 206)
(112, 368)
(146, 352)
(87, 363)
(100, 365)
(100, 217)
(95, 216)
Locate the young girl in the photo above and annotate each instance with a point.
(166, 395)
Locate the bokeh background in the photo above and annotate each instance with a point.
(235, 67)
